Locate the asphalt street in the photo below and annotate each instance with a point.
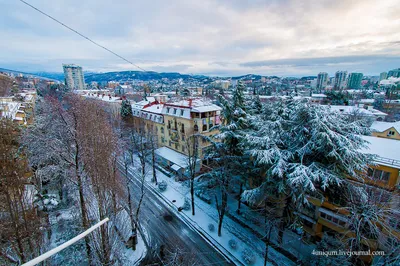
(168, 232)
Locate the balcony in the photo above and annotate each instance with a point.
(387, 161)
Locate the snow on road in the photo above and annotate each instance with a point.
(207, 214)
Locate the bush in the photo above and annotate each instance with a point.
(248, 256)
(162, 185)
(186, 205)
(232, 243)
(211, 227)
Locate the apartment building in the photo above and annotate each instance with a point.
(187, 117)
(148, 113)
(326, 215)
(354, 80)
(174, 122)
(74, 77)
(322, 80)
(340, 80)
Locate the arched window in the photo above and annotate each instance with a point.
(196, 128)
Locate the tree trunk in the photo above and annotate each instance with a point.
(267, 243)
(133, 237)
(154, 165)
(105, 242)
(282, 222)
(192, 194)
(240, 197)
(14, 219)
(222, 212)
(85, 222)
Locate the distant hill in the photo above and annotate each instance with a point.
(136, 75)
(51, 75)
(42, 75)
(122, 76)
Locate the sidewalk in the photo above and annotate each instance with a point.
(207, 214)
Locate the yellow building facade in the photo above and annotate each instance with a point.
(326, 215)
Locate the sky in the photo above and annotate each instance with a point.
(210, 37)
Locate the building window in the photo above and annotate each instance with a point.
(332, 219)
(170, 143)
(307, 223)
(183, 128)
(162, 140)
(168, 110)
(176, 145)
(391, 133)
(196, 128)
(204, 127)
(379, 175)
(181, 112)
(183, 137)
(175, 111)
(162, 129)
(183, 148)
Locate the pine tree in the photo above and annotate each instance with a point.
(126, 109)
(304, 149)
(228, 154)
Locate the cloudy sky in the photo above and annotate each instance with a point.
(212, 37)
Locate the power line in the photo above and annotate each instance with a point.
(83, 36)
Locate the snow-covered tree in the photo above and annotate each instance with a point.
(227, 153)
(126, 108)
(304, 148)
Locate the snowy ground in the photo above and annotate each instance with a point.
(206, 214)
(64, 226)
(134, 257)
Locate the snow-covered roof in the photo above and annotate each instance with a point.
(383, 126)
(366, 101)
(183, 108)
(387, 150)
(207, 108)
(173, 156)
(318, 95)
(105, 98)
(345, 109)
(151, 99)
(155, 108)
(195, 102)
(140, 105)
(390, 81)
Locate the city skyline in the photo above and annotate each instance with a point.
(219, 38)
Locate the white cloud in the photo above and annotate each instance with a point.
(191, 36)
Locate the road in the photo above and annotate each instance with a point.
(165, 228)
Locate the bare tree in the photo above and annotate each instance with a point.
(192, 147)
(19, 223)
(152, 139)
(138, 141)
